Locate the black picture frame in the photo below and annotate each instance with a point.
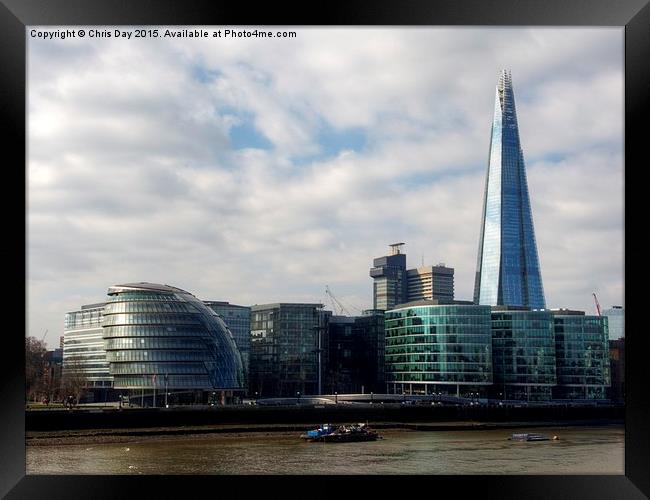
(634, 15)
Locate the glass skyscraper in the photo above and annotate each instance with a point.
(507, 271)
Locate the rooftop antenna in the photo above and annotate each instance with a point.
(395, 248)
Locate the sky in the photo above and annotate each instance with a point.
(259, 170)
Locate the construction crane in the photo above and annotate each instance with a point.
(597, 304)
(43, 339)
(335, 302)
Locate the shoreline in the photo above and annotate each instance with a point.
(107, 436)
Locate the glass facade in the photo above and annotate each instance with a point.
(285, 349)
(355, 360)
(523, 354)
(616, 322)
(582, 347)
(431, 348)
(158, 336)
(508, 271)
(238, 319)
(83, 346)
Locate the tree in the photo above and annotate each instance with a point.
(74, 380)
(35, 366)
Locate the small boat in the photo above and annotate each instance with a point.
(343, 434)
(530, 436)
(317, 434)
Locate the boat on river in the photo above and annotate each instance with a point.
(328, 433)
(531, 436)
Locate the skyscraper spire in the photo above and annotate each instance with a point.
(507, 271)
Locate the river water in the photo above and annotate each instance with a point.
(580, 450)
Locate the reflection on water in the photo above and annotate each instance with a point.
(591, 450)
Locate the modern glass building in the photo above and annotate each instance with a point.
(523, 354)
(433, 347)
(159, 338)
(238, 319)
(582, 350)
(288, 349)
(84, 356)
(355, 358)
(616, 322)
(507, 271)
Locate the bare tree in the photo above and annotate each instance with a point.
(74, 381)
(35, 367)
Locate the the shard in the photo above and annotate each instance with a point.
(507, 271)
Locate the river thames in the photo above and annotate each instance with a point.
(579, 450)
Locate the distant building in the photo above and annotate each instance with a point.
(393, 284)
(523, 354)
(582, 351)
(238, 319)
(389, 279)
(438, 346)
(288, 349)
(429, 283)
(355, 360)
(616, 322)
(84, 355)
(617, 363)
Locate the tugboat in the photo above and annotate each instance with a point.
(327, 433)
(317, 434)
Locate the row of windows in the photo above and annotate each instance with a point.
(134, 296)
(154, 331)
(430, 339)
(438, 367)
(138, 355)
(156, 343)
(440, 320)
(159, 370)
(437, 330)
(173, 382)
(140, 318)
(482, 378)
(142, 307)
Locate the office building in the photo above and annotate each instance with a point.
(161, 339)
(389, 279)
(288, 349)
(393, 284)
(438, 347)
(238, 319)
(355, 360)
(84, 355)
(616, 322)
(523, 354)
(508, 271)
(582, 351)
(429, 283)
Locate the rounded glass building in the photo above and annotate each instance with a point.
(161, 337)
(436, 348)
